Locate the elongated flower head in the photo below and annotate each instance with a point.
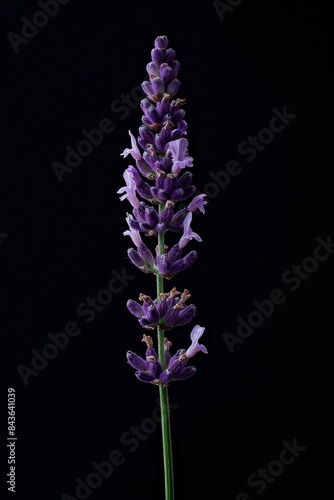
(161, 199)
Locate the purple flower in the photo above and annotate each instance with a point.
(177, 369)
(150, 370)
(133, 151)
(178, 150)
(130, 189)
(148, 220)
(188, 233)
(197, 203)
(168, 264)
(171, 263)
(195, 347)
(161, 134)
(134, 235)
(169, 188)
(143, 259)
(169, 311)
(154, 185)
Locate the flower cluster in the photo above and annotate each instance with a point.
(168, 311)
(155, 183)
(150, 369)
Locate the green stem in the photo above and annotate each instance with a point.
(163, 393)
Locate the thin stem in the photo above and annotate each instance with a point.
(163, 392)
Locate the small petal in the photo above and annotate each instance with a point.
(145, 265)
(169, 56)
(174, 253)
(180, 131)
(195, 347)
(188, 233)
(134, 151)
(198, 203)
(135, 308)
(166, 215)
(152, 69)
(145, 377)
(146, 254)
(135, 258)
(152, 315)
(182, 264)
(166, 376)
(173, 87)
(147, 88)
(151, 216)
(183, 194)
(185, 180)
(145, 104)
(153, 363)
(167, 72)
(161, 42)
(186, 314)
(136, 361)
(158, 86)
(130, 189)
(157, 55)
(178, 116)
(178, 149)
(175, 365)
(133, 233)
(185, 373)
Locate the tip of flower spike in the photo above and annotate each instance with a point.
(161, 42)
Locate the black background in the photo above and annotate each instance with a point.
(61, 240)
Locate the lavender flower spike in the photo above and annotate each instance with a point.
(157, 185)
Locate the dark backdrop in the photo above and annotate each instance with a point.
(262, 388)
